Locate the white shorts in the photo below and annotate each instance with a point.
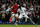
(21, 15)
(16, 15)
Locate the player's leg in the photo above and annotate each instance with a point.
(20, 16)
(11, 17)
(26, 18)
(29, 19)
(16, 18)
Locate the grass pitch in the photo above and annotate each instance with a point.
(19, 25)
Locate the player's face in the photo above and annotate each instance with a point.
(15, 3)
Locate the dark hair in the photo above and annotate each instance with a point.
(14, 2)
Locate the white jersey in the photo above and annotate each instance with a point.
(22, 10)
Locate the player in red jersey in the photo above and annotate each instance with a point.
(14, 12)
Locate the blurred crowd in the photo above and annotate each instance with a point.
(32, 6)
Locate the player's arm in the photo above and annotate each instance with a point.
(9, 9)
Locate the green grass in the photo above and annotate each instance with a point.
(19, 26)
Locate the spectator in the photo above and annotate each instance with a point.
(7, 16)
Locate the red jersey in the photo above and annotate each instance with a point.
(15, 9)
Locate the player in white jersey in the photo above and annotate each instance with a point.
(23, 14)
(22, 10)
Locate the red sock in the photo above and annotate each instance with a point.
(10, 19)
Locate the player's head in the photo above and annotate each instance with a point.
(15, 3)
